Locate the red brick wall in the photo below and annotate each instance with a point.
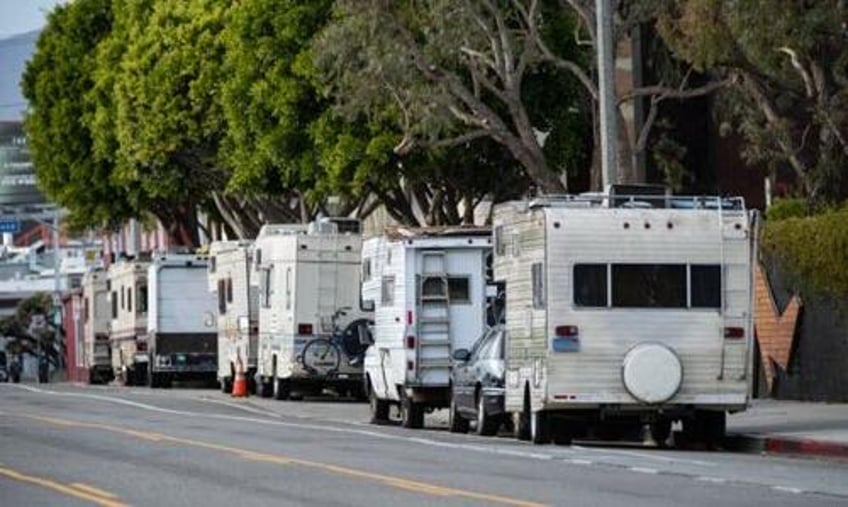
(775, 330)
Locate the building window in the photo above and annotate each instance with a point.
(590, 285)
(649, 285)
(538, 275)
(387, 291)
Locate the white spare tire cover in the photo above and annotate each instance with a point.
(652, 372)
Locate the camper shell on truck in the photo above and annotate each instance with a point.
(127, 286)
(230, 267)
(428, 288)
(182, 335)
(310, 320)
(625, 310)
(96, 320)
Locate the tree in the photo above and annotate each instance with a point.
(447, 73)
(787, 62)
(29, 329)
(57, 120)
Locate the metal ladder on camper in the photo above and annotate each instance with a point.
(433, 344)
(730, 291)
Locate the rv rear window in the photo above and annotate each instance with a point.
(387, 291)
(706, 286)
(590, 285)
(649, 285)
(458, 289)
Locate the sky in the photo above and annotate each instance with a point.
(18, 16)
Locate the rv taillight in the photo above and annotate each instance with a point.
(410, 342)
(409, 317)
(304, 329)
(566, 331)
(734, 333)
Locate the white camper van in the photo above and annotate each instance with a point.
(230, 266)
(182, 336)
(428, 288)
(310, 320)
(625, 310)
(96, 319)
(127, 286)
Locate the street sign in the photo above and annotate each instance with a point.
(12, 225)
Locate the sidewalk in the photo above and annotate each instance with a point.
(790, 427)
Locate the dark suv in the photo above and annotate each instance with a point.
(477, 383)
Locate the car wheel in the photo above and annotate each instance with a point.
(486, 425)
(456, 423)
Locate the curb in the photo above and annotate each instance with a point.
(783, 445)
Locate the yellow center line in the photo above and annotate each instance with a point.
(389, 480)
(94, 491)
(98, 499)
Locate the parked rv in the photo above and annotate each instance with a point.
(624, 309)
(428, 288)
(182, 336)
(230, 267)
(127, 286)
(96, 320)
(310, 320)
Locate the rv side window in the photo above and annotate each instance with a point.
(590, 285)
(705, 286)
(229, 290)
(141, 300)
(538, 274)
(129, 299)
(222, 297)
(387, 291)
(649, 285)
(123, 290)
(500, 246)
(85, 309)
(458, 289)
(265, 288)
(366, 269)
(288, 288)
(114, 304)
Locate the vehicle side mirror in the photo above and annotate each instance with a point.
(462, 355)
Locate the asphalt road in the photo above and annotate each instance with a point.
(70, 445)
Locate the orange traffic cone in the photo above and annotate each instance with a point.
(240, 382)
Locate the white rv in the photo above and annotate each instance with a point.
(127, 286)
(96, 319)
(230, 266)
(310, 320)
(624, 311)
(182, 336)
(428, 288)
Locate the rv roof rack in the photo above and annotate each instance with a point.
(602, 200)
(402, 232)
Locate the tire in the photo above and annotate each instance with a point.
(714, 427)
(456, 423)
(522, 419)
(660, 431)
(487, 426)
(563, 432)
(379, 409)
(282, 389)
(540, 428)
(226, 384)
(412, 414)
(263, 389)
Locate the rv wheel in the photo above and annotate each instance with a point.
(660, 431)
(263, 388)
(282, 390)
(540, 431)
(226, 385)
(411, 413)
(456, 423)
(379, 409)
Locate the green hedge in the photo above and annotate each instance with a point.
(813, 250)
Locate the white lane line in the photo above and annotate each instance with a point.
(788, 489)
(646, 455)
(714, 480)
(576, 461)
(644, 470)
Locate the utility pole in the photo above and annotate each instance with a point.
(606, 91)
